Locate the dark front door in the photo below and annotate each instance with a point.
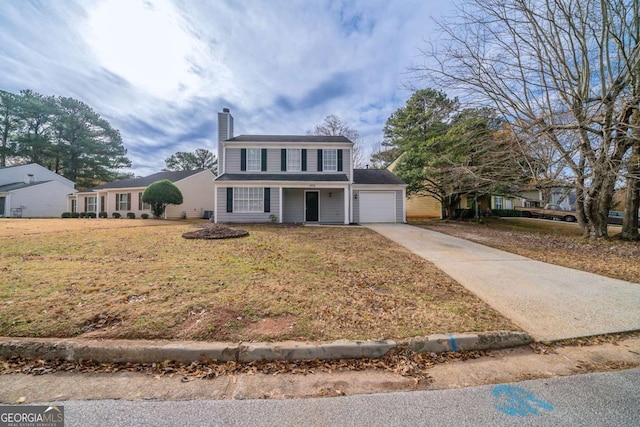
(311, 206)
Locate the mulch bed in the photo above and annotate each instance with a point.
(214, 231)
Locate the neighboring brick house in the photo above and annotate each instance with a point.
(125, 195)
(299, 179)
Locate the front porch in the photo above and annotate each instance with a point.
(328, 204)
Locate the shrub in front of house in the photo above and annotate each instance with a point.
(131, 215)
(103, 215)
(66, 214)
(160, 194)
(91, 215)
(144, 216)
(75, 214)
(116, 215)
(83, 214)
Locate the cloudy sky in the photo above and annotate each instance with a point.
(160, 70)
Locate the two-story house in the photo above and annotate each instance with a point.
(299, 179)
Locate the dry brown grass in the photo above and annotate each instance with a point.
(141, 279)
(554, 242)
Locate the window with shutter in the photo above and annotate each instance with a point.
(293, 159)
(247, 199)
(254, 163)
(329, 160)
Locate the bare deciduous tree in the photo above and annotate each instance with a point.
(335, 126)
(565, 71)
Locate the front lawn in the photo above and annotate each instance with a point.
(140, 279)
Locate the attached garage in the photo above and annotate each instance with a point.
(378, 196)
(377, 206)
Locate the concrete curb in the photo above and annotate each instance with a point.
(145, 351)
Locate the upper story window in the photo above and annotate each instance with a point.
(294, 159)
(330, 160)
(254, 159)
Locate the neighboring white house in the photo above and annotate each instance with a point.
(33, 191)
(125, 195)
(300, 179)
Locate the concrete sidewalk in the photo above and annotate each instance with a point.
(547, 301)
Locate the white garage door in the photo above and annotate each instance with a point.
(377, 206)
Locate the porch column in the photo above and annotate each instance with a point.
(347, 203)
(215, 204)
(281, 192)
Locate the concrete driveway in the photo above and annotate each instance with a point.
(547, 301)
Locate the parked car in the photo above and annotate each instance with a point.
(616, 217)
(549, 211)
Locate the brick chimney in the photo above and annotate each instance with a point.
(225, 131)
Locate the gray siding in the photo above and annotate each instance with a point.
(274, 161)
(293, 205)
(233, 160)
(346, 162)
(224, 216)
(399, 202)
(332, 208)
(356, 206)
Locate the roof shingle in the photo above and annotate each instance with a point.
(145, 181)
(289, 138)
(306, 177)
(375, 176)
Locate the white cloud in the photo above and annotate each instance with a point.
(160, 70)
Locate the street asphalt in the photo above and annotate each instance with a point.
(547, 301)
(606, 399)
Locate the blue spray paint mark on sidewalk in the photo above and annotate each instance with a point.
(452, 342)
(514, 401)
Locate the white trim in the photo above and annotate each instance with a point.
(287, 184)
(215, 204)
(365, 187)
(347, 204)
(280, 145)
(281, 212)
